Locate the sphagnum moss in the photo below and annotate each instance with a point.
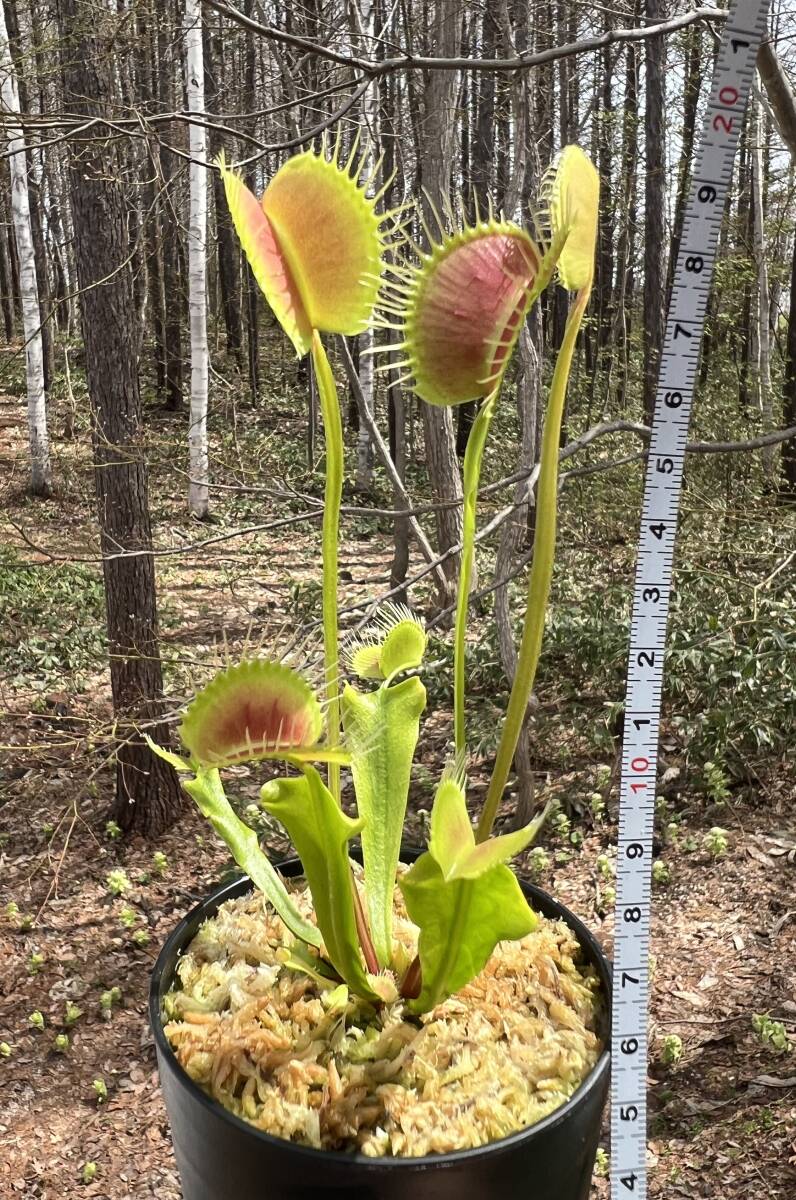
(316, 1065)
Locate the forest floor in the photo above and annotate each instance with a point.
(722, 1116)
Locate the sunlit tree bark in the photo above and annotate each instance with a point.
(40, 471)
(197, 264)
(147, 792)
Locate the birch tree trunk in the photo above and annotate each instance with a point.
(227, 252)
(24, 45)
(40, 472)
(171, 220)
(197, 264)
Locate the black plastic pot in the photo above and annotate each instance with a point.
(221, 1157)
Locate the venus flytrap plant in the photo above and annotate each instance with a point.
(72, 1013)
(460, 314)
(117, 882)
(462, 897)
(316, 246)
(573, 199)
(671, 1049)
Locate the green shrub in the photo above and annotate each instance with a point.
(54, 619)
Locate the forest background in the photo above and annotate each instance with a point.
(162, 479)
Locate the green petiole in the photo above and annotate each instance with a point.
(472, 475)
(333, 492)
(541, 572)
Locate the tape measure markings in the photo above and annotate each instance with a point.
(732, 80)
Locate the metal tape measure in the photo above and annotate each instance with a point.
(745, 27)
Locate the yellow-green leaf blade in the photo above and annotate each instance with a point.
(460, 921)
(320, 831)
(574, 199)
(452, 838)
(267, 259)
(328, 229)
(381, 732)
(208, 793)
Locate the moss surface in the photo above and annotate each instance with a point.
(309, 1063)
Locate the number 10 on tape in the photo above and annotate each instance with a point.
(732, 81)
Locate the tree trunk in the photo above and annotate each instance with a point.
(763, 339)
(147, 792)
(251, 288)
(626, 246)
(173, 288)
(6, 282)
(787, 487)
(607, 221)
(227, 247)
(197, 265)
(367, 379)
(654, 182)
(691, 88)
(436, 156)
(40, 472)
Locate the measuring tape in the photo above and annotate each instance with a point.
(746, 26)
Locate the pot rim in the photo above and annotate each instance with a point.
(234, 888)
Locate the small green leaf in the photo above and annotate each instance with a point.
(320, 831)
(395, 642)
(381, 731)
(460, 921)
(452, 837)
(208, 792)
(364, 660)
(452, 843)
(403, 648)
(298, 958)
(496, 850)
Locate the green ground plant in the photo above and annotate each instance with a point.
(62, 614)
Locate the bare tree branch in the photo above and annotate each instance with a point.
(418, 62)
(366, 416)
(433, 561)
